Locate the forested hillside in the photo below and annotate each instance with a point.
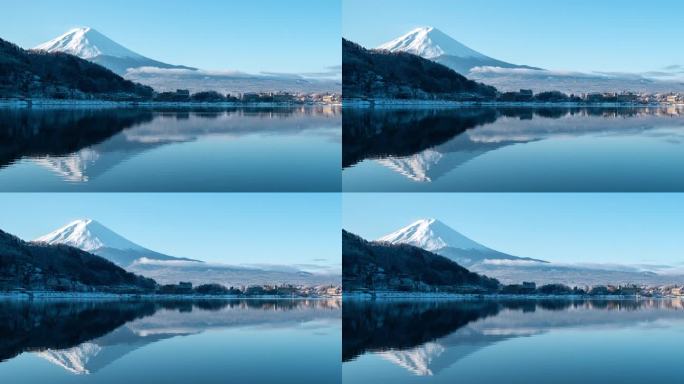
(381, 74)
(379, 266)
(35, 74)
(33, 266)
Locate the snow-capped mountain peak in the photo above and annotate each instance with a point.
(87, 43)
(431, 235)
(430, 43)
(89, 235)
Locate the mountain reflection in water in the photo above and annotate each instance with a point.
(427, 337)
(118, 148)
(501, 149)
(83, 337)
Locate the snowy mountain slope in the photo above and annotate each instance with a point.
(89, 44)
(433, 44)
(430, 43)
(431, 235)
(91, 236)
(88, 235)
(435, 236)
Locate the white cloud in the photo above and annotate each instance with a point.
(329, 73)
(167, 263)
(513, 263)
(184, 72)
(524, 71)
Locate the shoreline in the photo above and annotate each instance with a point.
(395, 103)
(492, 296)
(41, 295)
(350, 103)
(52, 103)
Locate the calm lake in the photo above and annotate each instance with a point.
(241, 149)
(525, 341)
(513, 149)
(238, 341)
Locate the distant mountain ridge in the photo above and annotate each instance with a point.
(435, 236)
(433, 44)
(91, 236)
(89, 44)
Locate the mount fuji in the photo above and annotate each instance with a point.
(89, 44)
(91, 236)
(435, 45)
(437, 237)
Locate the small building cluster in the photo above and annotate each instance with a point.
(527, 95)
(184, 96)
(283, 290)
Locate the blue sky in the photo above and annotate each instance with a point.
(291, 36)
(281, 228)
(567, 228)
(583, 35)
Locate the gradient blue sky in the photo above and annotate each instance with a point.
(230, 228)
(584, 35)
(567, 228)
(251, 36)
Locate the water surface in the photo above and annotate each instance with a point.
(513, 149)
(234, 341)
(422, 341)
(115, 149)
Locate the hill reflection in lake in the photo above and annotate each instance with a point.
(127, 149)
(513, 149)
(110, 340)
(515, 341)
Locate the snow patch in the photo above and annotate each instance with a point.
(87, 43)
(88, 235)
(431, 235)
(430, 43)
